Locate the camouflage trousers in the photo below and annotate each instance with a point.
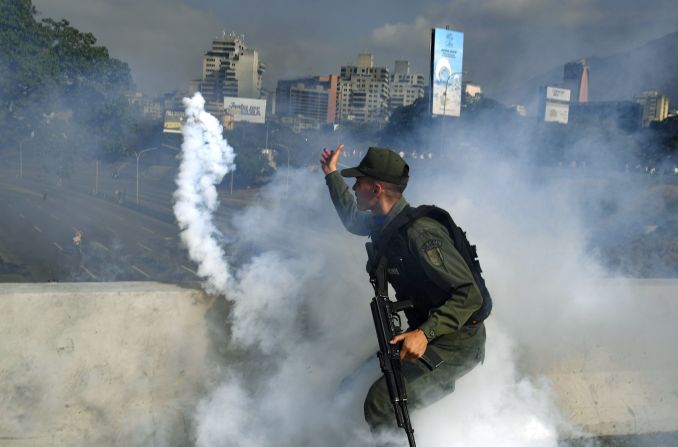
(460, 353)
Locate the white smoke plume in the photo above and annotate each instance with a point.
(300, 305)
(304, 301)
(206, 158)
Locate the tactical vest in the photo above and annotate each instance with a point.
(408, 278)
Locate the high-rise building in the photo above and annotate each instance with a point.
(405, 87)
(230, 69)
(364, 91)
(576, 79)
(655, 106)
(150, 108)
(313, 98)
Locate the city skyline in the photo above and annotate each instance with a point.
(164, 41)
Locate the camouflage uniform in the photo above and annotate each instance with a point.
(458, 343)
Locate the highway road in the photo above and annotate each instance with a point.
(39, 219)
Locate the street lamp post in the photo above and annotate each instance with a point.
(138, 154)
(21, 154)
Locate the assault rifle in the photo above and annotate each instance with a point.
(387, 324)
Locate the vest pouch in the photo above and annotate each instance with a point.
(431, 359)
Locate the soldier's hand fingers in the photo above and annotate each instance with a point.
(408, 355)
(336, 153)
(397, 339)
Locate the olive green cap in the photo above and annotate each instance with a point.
(381, 164)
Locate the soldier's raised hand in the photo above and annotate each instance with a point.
(328, 159)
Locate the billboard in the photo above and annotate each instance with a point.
(557, 94)
(246, 109)
(556, 112)
(173, 121)
(447, 48)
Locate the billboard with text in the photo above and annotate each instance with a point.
(246, 109)
(556, 112)
(557, 94)
(447, 50)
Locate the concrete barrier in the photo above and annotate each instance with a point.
(101, 364)
(622, 378)
(124, 364)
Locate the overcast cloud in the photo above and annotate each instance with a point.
(505, 40)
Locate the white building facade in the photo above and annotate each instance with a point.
(364, 91)
(230, 69)
(405, 87)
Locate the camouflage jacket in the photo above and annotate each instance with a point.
(430, 243)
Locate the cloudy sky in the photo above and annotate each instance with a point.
(505, 40)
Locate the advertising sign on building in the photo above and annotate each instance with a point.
(556, 112)
(246, 109)
(447, 49)
(558, 94)
(173, 121)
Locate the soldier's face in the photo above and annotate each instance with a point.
(365, 196)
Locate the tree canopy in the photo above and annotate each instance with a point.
(56, 83)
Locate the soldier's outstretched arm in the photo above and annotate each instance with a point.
(355, 221)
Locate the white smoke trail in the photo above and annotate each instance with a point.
(206, 158)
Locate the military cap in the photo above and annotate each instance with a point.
(381, 164)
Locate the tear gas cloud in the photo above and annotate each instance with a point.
(300, 303)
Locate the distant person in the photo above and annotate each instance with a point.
(422, 265)
(77, 239)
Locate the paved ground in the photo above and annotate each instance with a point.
(120, 239)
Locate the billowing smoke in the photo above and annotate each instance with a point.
(206, 158)
(301, 302)
(301, 323)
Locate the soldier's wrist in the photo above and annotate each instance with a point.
(429, 333)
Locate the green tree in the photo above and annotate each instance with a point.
(49, 66)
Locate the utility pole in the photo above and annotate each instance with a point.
(21, 155)
(138, 154)
(96, 180)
